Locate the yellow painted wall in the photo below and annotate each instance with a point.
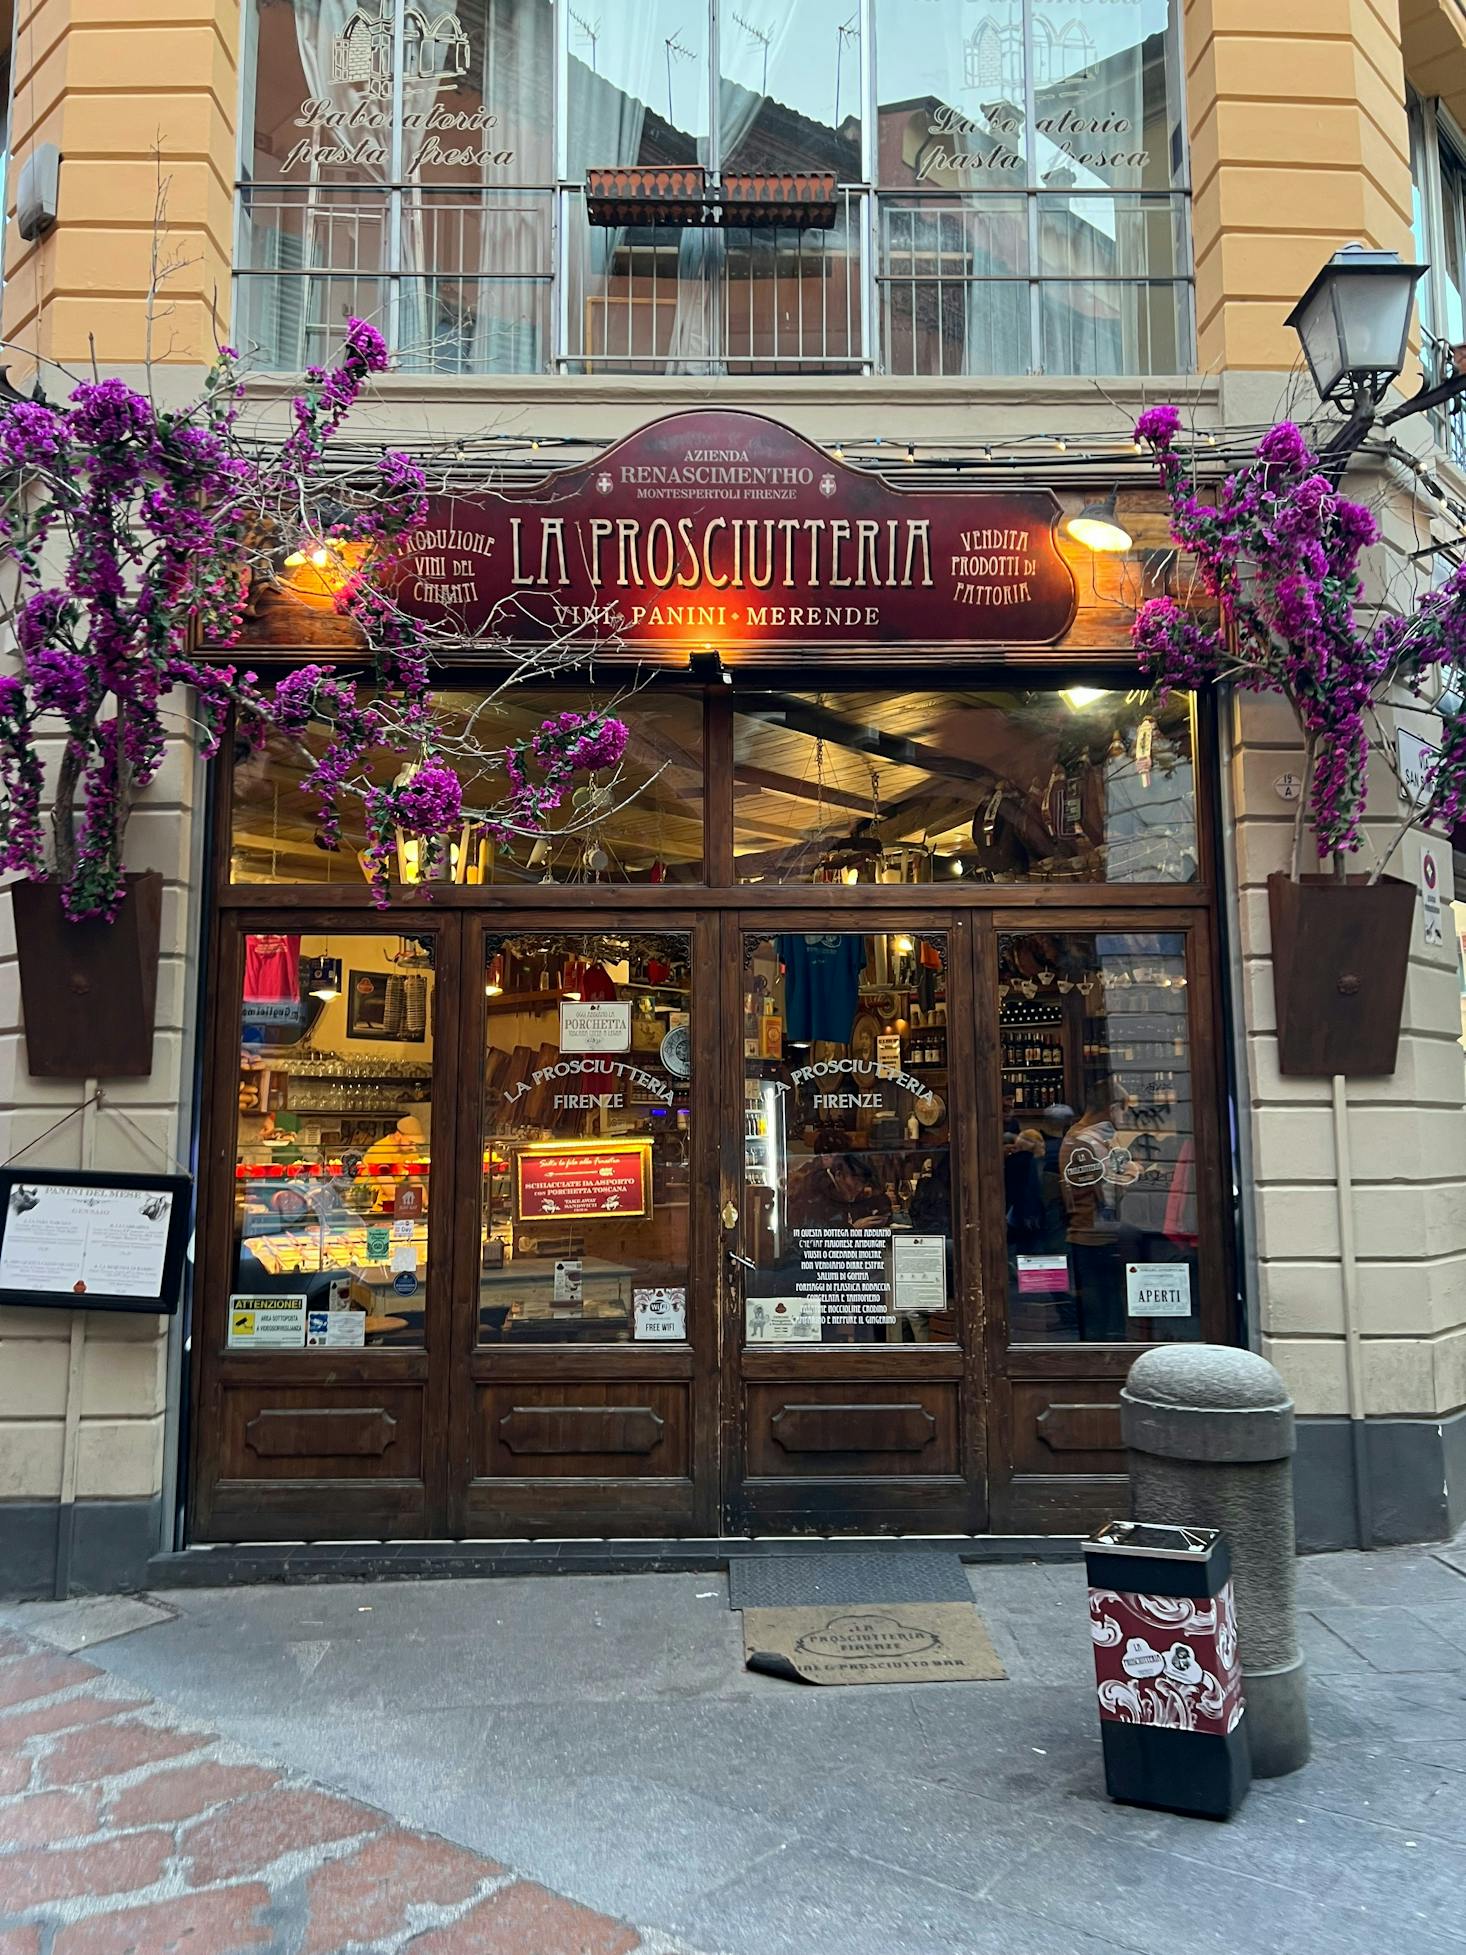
(111, 82)
(1433, 33)
(1300, 144)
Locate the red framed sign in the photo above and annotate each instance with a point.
(583, 1180)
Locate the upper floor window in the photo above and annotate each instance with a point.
(1438, 169)
(983, 186)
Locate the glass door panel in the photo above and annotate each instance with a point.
(846, 1227)
(584, 1215)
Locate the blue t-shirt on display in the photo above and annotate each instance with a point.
(821, 985)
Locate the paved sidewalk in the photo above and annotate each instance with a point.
(125, 1830)
(601, 1737)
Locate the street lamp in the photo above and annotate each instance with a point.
(1353, 321)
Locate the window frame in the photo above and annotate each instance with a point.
(852, 252)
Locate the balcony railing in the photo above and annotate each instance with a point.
(922, 283)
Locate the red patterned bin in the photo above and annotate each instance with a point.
(1167, 1670)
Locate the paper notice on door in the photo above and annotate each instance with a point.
(783, 1320)
(404, 1259)
(1043, 1276)
(569, 1283)
(1158, 1289)
(919, 1273)
(335, 1330)
(266, 1323)
(658, 1314)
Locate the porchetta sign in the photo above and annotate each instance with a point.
(729, 530)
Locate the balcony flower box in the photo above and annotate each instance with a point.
(648, 194)
(797, 200)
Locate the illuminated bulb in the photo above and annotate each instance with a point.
(534, 447)
(493, 990)
(910, 452)
(326, 992)
(957, 868)
(1082, 696)
(838, 452)
(574, 996)
(905, 946)
(1061, 445)
(320, 558)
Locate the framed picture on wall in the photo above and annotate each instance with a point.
(387, 1005)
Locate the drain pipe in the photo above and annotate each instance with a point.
(1353, 1357)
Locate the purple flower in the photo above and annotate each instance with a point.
(1158, 426)
(1285, 447)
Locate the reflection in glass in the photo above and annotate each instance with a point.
(1098, 1142)
(1084, 785)
(789, 88)
(846, 1220)
(587, 1094)
(333, 1156)
(648, 828)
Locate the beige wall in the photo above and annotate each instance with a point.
(122, 1402)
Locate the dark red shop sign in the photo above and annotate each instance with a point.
(729, 531)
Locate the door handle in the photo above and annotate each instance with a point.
(729, 1215)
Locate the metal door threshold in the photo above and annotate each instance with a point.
(227, 1563)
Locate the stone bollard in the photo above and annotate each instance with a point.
(1209, 1432)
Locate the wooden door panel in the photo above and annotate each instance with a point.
(584, 1431)
(348, 1432)
(1061, 1426)
(851, 1430)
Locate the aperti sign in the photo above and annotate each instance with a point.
(727, 530)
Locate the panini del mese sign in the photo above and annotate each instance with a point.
(727, 530)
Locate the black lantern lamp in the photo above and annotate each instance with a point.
(1354, 321)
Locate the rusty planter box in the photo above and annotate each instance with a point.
(796, 200)
(1340, 951)
(89, 991)
(645, 193)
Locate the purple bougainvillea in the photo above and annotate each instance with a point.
(1278, 552)
(137, 533)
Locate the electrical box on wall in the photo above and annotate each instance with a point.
(38, 190)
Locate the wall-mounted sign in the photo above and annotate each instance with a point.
(593, 1025)
(578, 1180)
(97, 1241)
(725, 529)
(1430, 896)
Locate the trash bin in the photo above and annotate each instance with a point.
(1167, 1668)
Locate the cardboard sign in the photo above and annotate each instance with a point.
(580, 1180)
(267, 1323)
(592, 1025)
(1158, 1289)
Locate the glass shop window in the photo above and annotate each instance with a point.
(846, 1224)
(587, 1064)
(1098, 1142)
(334, 1143)
(641, 823)
(1079, 786)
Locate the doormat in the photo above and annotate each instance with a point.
(901, 1642)
(791, 1581)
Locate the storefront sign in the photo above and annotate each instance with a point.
(726, 530)
(1158, 1289)
(595, 1026)
(584, 1180)
(267, 1323)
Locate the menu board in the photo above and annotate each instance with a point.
(98, 1241)
(577, 1181)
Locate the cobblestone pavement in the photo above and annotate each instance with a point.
(127, 1831)
(600, 1736)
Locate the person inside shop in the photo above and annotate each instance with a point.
(837, 1189)
(1092, 1175)
(1023, 1189)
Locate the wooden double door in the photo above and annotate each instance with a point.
(687, 1222)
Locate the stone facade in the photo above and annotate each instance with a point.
(1299, 143)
